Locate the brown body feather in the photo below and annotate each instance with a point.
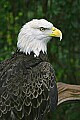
(27, 87)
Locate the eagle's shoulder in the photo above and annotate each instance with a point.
(25, 87)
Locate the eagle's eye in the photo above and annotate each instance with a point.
(42, 29)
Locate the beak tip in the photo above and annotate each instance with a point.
(61, 37)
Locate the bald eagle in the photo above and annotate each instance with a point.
(28, 88)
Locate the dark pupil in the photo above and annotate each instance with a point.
(42, 29)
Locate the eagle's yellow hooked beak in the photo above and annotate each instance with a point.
(56, 33)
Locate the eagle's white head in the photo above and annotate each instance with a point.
(34, 35)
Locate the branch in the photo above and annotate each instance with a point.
(67, 92)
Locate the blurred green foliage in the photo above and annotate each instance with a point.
(64, 55)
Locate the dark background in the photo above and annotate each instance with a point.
(64, 55)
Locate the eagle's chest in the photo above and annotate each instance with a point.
(32, 81)
(26, 90)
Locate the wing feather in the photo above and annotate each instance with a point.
(27, 92)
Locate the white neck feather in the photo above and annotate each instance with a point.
(28, 44)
